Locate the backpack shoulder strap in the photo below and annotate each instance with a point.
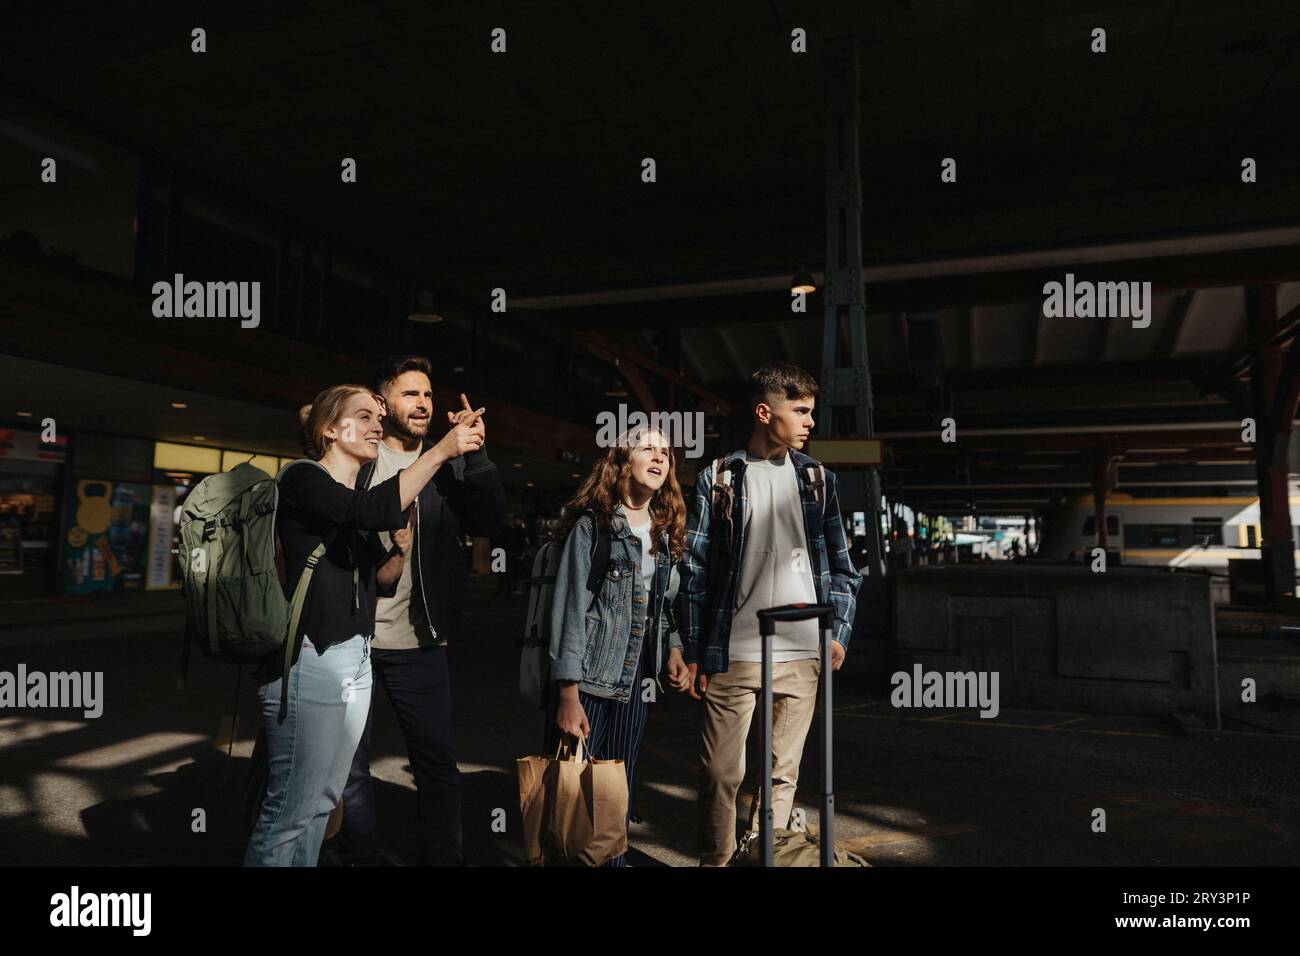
(366, 474)
(600, 551)
(295, 615)
(721, 473)
(722, 493)
(214, 562)
(299, 461)
(537, 582)
(817, 478)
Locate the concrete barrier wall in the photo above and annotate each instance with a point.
(1129, 641)
(1274, 667)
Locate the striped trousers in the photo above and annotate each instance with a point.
(616, 730)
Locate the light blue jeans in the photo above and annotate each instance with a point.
(310, 753)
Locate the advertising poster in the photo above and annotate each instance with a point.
(106, 541)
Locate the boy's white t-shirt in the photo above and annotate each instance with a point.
(775, 568)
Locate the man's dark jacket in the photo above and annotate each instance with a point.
(465, 497)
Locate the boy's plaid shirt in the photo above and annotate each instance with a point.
(707, 599)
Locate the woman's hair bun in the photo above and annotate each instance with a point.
(306, 435)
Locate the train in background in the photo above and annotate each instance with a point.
(1174, 532)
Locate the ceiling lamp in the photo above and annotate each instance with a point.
(424, 310)
(803, 282)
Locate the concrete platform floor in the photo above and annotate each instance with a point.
(912, 788)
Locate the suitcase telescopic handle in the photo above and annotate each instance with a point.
(767, 621)
(768, 618)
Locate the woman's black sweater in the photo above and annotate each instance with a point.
(314, 507)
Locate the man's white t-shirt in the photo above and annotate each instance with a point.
(775, 568)
(393, 628)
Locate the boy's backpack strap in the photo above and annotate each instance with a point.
(722, 501)
(817, 479)
(722, 491)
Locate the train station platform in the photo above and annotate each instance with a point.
(50, 620)
(912, 787)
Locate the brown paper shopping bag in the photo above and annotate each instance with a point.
(532, 801)
(574, 810)
(604, 786)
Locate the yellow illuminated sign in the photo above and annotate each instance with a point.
(846, 451)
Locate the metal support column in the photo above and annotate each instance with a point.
(847, 386)
(1103, 480)
(1275, 387)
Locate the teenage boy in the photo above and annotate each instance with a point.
(781, 541)
(408, 653)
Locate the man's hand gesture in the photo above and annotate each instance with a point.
(466, 433)
(467, 414)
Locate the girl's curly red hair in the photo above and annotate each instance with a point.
(608, 485)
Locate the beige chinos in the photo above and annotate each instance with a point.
(727, 714)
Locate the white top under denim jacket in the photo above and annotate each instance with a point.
(596, 640)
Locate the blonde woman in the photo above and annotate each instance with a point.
(310, 750)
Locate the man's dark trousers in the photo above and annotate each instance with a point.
(419, 686)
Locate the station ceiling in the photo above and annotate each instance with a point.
(522, 170)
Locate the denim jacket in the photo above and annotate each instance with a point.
(597, 642)
(708, 594)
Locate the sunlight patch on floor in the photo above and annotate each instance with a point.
(128, 751)
(18, 730)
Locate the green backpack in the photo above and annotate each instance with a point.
(231, 570)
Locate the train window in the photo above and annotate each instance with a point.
(1163, 535)
(1090, 524)
(1211, 528)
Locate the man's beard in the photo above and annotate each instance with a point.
(405, 430)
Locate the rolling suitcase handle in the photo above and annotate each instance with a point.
(767, 620)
